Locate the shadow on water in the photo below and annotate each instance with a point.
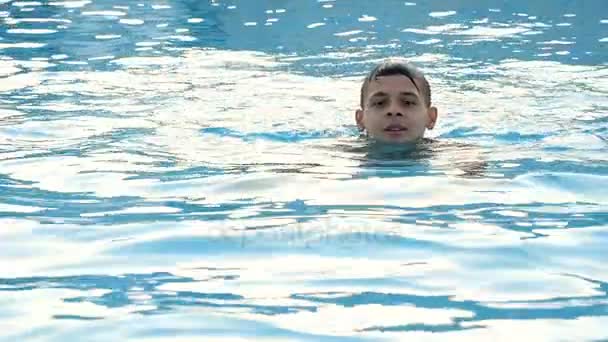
(384, 160)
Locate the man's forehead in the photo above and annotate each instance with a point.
(392, 84)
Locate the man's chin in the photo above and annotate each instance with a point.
(395, 139)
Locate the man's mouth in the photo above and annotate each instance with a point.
(395, 128)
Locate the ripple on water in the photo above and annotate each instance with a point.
(190, 180)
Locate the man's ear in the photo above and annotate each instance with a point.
(432, 114)
(359, 119)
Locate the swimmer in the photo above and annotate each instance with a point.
(395, 103)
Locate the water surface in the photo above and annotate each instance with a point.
(191, 170)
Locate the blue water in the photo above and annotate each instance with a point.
(190, 170)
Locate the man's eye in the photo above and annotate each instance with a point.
(409, 103)
(378, 103)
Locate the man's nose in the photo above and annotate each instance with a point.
(394, 109)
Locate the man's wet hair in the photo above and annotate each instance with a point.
(396, 66)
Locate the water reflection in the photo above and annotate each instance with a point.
(93, 33)
(428, 155)
(157, 293)
(155, 176)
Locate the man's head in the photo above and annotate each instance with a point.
(396, 103)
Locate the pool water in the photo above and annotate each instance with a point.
(187, 170)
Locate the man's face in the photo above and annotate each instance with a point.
(394, 110)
